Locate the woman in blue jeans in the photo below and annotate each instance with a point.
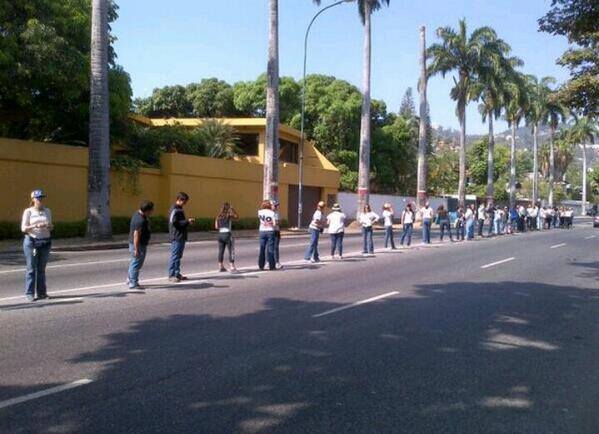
(407, 222)
(37, 226)
(367, 220)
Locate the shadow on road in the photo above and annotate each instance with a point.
(503, 357)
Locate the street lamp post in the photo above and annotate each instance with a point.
(300, 187)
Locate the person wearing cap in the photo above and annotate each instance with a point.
(316, 227)
(388, 221)
(139, 238)
(37, 226)
(367, 220)
(336, 223)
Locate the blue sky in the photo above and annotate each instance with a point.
(182, 41)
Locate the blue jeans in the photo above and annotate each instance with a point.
(426, 231)
(135, 264)
(277, 243)
(312, 251)
(445, 225)
(174, 263)
(337, 243)
(481, 225)
(368, 246)
(407, 232)
(470, 229)
(35, 276)
(497, 224)
(389, 236)
(267, 249)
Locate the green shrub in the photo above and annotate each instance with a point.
(69, 229)
(158, 224)
(120, 225)
(202, 224)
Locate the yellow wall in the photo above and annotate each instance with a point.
(62, 172)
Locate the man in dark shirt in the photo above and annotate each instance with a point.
(177, 228)
(139, 238)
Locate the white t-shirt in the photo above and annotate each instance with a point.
(481, 212)
(33, 216)
(498, 215)
(388, 216)
(368, 219)
(427, 213)
(267, 220)
(316, 220)
(408, 217)
(469, 215)
(336, 222)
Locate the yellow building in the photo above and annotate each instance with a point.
(62, 172)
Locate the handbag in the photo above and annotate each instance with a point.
(40, 243)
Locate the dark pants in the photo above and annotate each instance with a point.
(337, 243)
(136, 263)
(35, 276)
(225, 241)
(368, 245)
(445, 226)
(491, 222)
(407, 232)
(277, 243)
(312, 250)
(389, 237)
(174, 263)
(426, 231)
(460, 232)
(481, 225)
(267, 249)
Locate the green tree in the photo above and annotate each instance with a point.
(443, 172)
(553, 113)
(211, 98)
(407, 109)
(218, 139)
(168, 101)
(578, 20)
(467, 55)
(583, 132)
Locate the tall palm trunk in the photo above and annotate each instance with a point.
(535, 164)
(98, 183)
(462, 178)
(551, 164)
(271, 151)
(584, 179)
(490, 161)
(422, 164)
(364, 164)
(513, 167)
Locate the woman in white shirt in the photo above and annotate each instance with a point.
(367, 220)
(427, 219)
(336, 223)
(407, 222)
(268, 222)
(36, 224)
(388, 221)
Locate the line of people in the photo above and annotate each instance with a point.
(37, 226)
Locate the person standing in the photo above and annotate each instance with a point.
(268, 222)
(481, 219)
(497, 221)
(336, 223)
(178, 225)
(139, 238)
(443, 218)
(316, 228)
(491, 216)
(407, 222)
(275, 208)
(427, 215)
(36, 224)
(224, 225)
(459, 224)
(469, 217)
(367, 220)
(388, 215)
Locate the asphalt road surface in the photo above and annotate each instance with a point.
(493, 336)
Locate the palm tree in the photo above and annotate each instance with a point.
(271, 151)
(515, 109)
(98, 184)
(218, 139)
(366, 8)
(539, 91)
(468, 56)
(584, 130)
(493, 92)
(553, 113)
(422, 129)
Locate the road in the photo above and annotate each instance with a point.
(491, 336)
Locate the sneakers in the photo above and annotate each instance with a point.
(43, 297)
(174, 279)
(222, 269)
(30, 298)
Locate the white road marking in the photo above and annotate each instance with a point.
(558, 245)
(356, 304)
(592, 236)
(76, 264)
(503, 261)
(42, 393)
